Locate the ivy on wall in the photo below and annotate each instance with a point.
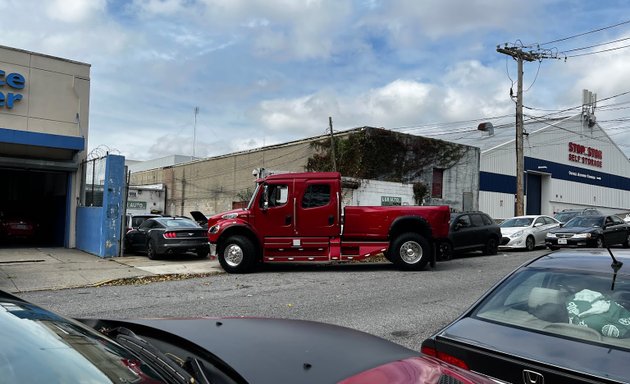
(380, 154)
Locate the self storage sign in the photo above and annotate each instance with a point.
(10, 86)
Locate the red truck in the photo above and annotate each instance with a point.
(298, 218)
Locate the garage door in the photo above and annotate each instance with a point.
(33, 207)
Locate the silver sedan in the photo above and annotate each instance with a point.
(527, 232)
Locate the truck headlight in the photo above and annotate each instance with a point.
(214, 229)
(229, 216)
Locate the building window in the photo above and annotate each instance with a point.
(436, 189)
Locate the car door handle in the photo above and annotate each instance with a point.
(288, 219)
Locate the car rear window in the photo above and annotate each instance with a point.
(564, 303)
(181, 223)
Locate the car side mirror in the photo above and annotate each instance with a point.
(538, 224)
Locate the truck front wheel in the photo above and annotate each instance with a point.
(410, 251)
(237, 254)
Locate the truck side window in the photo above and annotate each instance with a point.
(316, 195)
(278, 195)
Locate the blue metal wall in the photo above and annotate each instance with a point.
(98, 228)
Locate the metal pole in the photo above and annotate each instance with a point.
(520, 168)
(332, 145)
(194, 132)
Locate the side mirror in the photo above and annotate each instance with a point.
(537, 225)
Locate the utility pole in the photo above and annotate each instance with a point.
(332, 145)
(519, 55)
(194, 132)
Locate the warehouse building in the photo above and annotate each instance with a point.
(569, 163)
(427, 171)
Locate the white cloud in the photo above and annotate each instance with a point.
(74, 11)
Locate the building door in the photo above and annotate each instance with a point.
(534, 194)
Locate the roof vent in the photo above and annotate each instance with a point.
(486, 127)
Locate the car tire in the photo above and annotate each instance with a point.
(410, 252)
(445, 251)
(237, 254)
(530, 243)
(553, 248)
(492, 247)
(152, 251)
(202, 252)
(626, 243)
(599, 242)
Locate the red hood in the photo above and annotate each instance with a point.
(221, 216)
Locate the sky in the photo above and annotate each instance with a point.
(211, 77)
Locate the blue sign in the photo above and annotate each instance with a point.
(13, 81)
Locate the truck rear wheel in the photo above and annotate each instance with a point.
(410, 251)
(237, 254)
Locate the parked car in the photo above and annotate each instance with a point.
(134, 220)
(562, 318)
(526, 232)
(590, 231)
(567, 214)
(18, 228)
(470, 231)
(159, 236)
(39, 346)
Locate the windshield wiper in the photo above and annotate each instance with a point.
(160, 361)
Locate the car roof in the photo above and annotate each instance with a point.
(585, 260)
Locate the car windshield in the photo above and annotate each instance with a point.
(585, 222)
(41, 347)
(517, 222)
(566, 216)
(571, 304)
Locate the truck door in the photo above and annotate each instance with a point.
(274, 213)
(317, 208)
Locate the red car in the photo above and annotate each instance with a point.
(18, 228)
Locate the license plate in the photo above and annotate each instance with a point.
(562, 241)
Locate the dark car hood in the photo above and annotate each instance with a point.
(283, 351)
(574, 229)
(529, 348)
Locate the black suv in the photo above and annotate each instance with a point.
(470, 231)
(567, 214)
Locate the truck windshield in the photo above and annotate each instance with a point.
(251, 200)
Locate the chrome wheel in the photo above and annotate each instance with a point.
(410, 252)
(529, 243)
(233, 255)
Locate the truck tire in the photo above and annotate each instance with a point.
(410, 252)
(237, 254)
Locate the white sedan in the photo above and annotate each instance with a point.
(526, 232)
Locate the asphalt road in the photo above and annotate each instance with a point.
(404, 307)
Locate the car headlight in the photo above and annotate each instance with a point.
(551, 235)
(582, 236)
(230, 216)
(517, 234)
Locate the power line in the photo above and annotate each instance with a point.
(586, 33)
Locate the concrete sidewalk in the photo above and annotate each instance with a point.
(36, 269)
